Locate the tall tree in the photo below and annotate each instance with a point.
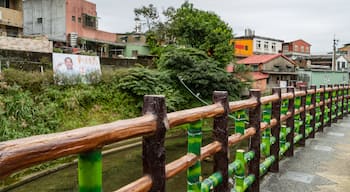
(204, 30)
(149, 13)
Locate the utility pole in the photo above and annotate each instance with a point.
(335, 42)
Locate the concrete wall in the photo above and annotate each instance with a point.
(23, 44)
(53, 14)
(325, 77)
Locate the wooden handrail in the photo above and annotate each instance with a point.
(287, 96)
(37, 149)
(300, 93)
(269, 99)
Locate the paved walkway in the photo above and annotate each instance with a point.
(322, 165)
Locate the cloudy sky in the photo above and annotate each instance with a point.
(315, 21)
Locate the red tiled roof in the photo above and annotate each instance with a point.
(259, 75)
(257, 59)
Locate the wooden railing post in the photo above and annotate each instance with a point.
(290, 123)
(313, 112)
(322, 107)
(220, 134)
(90, 171)
(254, 145)
(342, 101)
(303, 116)
(330, 96)
(153, 150)
(275, 132)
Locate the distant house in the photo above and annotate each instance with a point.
(345, 49)
(296, 49)
(342, 63)
(279, 68)
(251, 44)
(135, 44)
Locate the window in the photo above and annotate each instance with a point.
(343, 65)
(39, 20)
(307, 50)
(302, 49)
(89, 21)
(296, 48)
(246, 47)
(73, 18)
(5, 3)
(258, 44)
(254, 68)
(266, 45)
(338, 64)
(79, 19)
(273, 46)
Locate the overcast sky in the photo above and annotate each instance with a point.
(315, 21)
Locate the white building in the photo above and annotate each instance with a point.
(342, 63)
(266, 45)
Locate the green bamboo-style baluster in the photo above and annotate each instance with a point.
(265, 141)
(240, 170)
(194, 146)
(240, 121)
(212, 181)
(284, 107)
(264, 166)
(247, 182)
(90, 171)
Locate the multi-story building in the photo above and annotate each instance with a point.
(69, 23)
(251, 44)
(296, 49)
(11, 18)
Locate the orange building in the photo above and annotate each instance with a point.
(243, 47)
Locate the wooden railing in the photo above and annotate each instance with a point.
(291, 120)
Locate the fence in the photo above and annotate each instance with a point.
(273, 124)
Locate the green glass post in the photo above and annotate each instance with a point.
(90, 171)
(194, 146)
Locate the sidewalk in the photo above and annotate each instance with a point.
(322, 165)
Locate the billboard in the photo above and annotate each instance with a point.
(72, 69)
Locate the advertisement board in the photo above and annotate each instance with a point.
(72, 69)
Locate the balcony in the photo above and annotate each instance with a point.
(11, 17)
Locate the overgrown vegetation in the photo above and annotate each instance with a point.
(31, 104)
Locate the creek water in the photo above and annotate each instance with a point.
(119, 169)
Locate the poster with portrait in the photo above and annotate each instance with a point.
(73, 69)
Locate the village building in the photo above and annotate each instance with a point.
(273, 70)
(251, 44)
(70, 24)
(296, 49)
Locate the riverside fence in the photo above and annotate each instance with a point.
(273, 125)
